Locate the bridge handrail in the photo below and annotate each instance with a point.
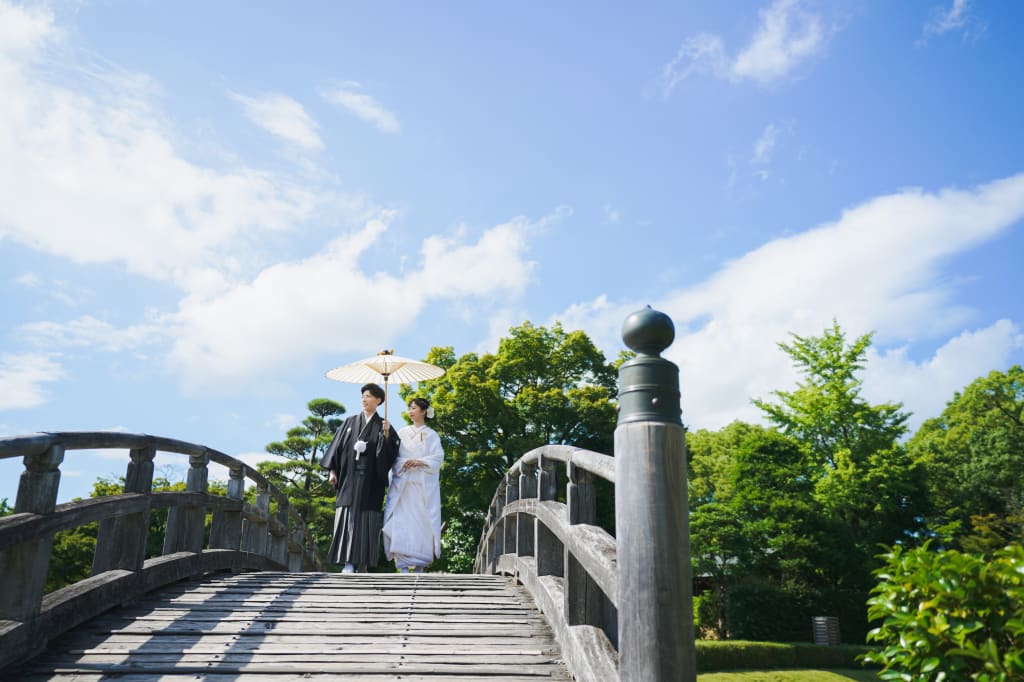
(242, 536)
(566, 562)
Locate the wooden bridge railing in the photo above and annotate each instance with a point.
(566, 562)
(241, 536)
(622, 607)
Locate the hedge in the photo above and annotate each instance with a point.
(713, 655)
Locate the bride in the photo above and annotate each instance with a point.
(412, 513)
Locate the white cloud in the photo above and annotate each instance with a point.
(254, 458)
(29, 280)
(88, 331)
(765, 145)
(326, 304)
(955, 18)
(876, 268)
(611, 214)
(283, 117)
(786, 37)
(90, 172)
(23, 28)
(362, 105)
(925, 387)
(22, 376)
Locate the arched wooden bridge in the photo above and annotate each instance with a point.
(553, 595)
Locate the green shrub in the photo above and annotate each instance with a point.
(739, 655)
(760, 611)
(947, 615)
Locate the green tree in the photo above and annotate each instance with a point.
(541, 386)
(864, 477)
(300, 477)
(973, 455)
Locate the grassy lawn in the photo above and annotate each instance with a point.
(790, 676)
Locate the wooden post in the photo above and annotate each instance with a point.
(525, 525)
(121, 541)
(279, 535)
(583, 598)
(511, 522)
(186, 525)
(548, 548)
(226, 525)
(499, 527)
(23, 568)
(655, 605)
(255, 530)
(296, 549)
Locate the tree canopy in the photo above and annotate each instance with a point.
(542, 386)
(973, 456)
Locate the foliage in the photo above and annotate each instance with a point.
(541, 386)
(864, 478)
(300, 476)
(740, 654)
(948, 615)
(5, 508)
(973, 455)
(826, 412)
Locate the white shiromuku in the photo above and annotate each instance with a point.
(412, 513)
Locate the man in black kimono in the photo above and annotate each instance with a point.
(359, 459)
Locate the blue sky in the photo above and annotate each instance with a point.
(205, 206)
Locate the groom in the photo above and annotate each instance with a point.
(359, 459)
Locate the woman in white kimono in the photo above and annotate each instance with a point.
(412, 513)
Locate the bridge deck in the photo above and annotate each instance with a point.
(291, 626)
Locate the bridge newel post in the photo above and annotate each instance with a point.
(226, 524)
(254, 530)
(583, 598)
(525, 524)
(279, 535)
(296, 550)
(655, 604)
(121, 541)
(499, 527)
(186, 525)
(511, 522)
(23, 568)
(547, 547)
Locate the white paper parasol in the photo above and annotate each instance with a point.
(385, 366)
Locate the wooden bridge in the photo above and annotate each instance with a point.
(553, 596)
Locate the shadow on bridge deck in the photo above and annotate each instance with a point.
(292, 626)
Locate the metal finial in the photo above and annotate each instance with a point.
(648, 331)
(648, 384)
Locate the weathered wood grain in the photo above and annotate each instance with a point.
(300, 626)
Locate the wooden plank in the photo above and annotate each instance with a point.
(287, 626)
(281, 677)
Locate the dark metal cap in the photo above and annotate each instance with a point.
(649, 384)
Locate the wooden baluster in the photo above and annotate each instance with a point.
(525, 525)
(226, 525)
(655, 605)
(186, 524)
(584, 601)
(23, 568)
(548, 548)
(511, 522)
(121, 541)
